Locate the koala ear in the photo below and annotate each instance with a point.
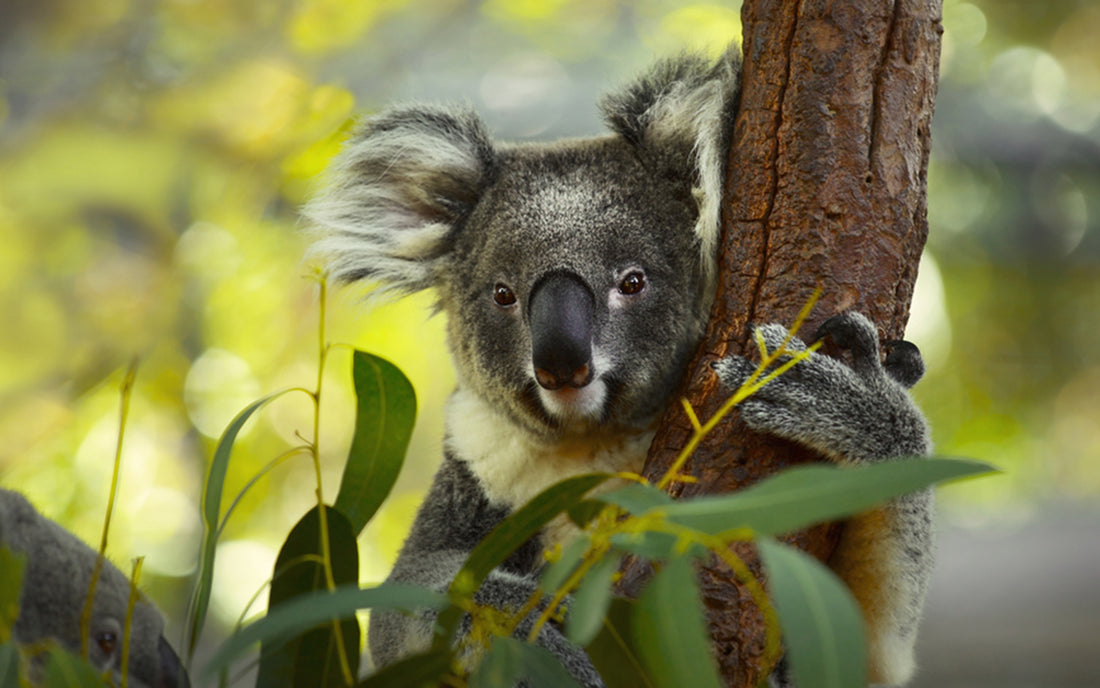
(684, 108)
(396, 194)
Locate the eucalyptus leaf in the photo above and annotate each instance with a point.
(582, 513)
(499, 668)
(821, 622)
(670, 632)
(305, 611)
(12, 566)
(418, 671)
(510, 659)
(9, 664)
(637, 498)
(655, 545)
(555, 574)
(613, 651)
(802, 496)
(590, 602)
(385, 415)
(211, 507)
(311, 659)
(66, 670)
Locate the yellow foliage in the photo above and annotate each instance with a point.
(707, 28)
(253, 108)
(320, 26)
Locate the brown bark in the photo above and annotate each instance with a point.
(826, 189)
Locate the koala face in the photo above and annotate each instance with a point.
(572, 288)
(576, 275)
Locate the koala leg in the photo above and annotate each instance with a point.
(857, 415)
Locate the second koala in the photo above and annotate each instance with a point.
(576, 278)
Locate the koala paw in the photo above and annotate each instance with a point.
(858, 413)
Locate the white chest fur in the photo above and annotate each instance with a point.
(513, 467)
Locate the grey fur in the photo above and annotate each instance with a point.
(858, 415)
(55, 586)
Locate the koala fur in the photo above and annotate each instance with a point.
(55, 586)
(576, 278)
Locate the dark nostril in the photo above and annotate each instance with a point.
(575, 379)
(547, 380)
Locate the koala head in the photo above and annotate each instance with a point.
(55, 586)
(576, 275)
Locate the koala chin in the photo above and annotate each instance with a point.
(576, 278)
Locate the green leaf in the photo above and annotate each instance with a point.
(590, 602)
(821, 622)
(312, 658)
(9, 664)
(613, 651)
(11, 582)
(306, 611)
(555, 574)
(66, 670)
(637, 498)
(805, 495)
(386, 413)
(655, 545)
(510, 659)
(412, 672)
(512, 532)
(670, 632)
(584, 511)
(211, 507)
(499, 668)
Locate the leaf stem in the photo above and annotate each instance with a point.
(127, 627)
(322, 516)
(125, 392)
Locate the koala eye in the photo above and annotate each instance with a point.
(633, 283)
(107, 642)
(503, 296)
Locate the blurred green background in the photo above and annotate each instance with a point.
(153, 155)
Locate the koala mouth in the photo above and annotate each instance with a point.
(575, 403)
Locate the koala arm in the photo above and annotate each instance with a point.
(454, 518)
(857, 415)
(55, 585)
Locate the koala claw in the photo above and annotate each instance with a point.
(904, 362)
(855, 333)
(852, 331)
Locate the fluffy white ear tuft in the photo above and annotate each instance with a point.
(396, 194)
(685, 106)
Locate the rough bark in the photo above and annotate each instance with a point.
(826, 189)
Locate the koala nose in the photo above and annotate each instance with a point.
(561, 312)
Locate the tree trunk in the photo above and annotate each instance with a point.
(826, 188)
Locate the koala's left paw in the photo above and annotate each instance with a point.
(858, 413)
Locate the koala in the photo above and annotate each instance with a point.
(55, 586)
(576, 278)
